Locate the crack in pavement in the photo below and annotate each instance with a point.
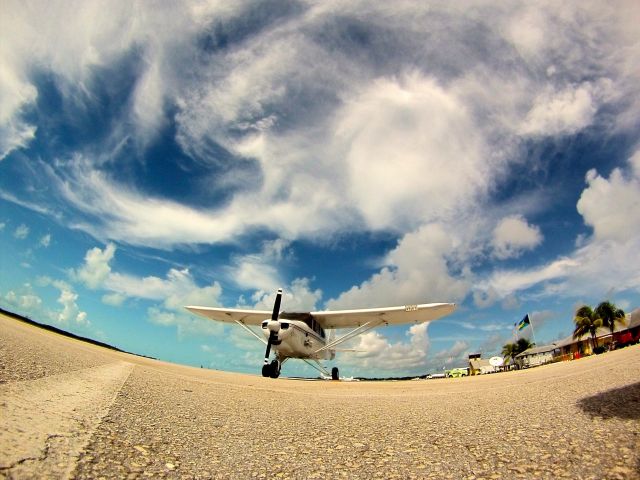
(45, 454)
(48, 421)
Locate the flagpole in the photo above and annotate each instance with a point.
(532, 330)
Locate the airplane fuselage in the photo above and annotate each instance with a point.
(297, 339)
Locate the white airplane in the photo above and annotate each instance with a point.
(303, 334)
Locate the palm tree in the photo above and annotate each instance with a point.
(511, 350)
(524, 344)
(587, 320)
(610, 315)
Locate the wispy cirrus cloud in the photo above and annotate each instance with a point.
(450, 104)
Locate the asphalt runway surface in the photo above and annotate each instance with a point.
(69, 409)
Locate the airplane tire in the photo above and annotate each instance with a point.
(335, 374)
(275, 371)
(266, 370)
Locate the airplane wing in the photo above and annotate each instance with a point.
(334, 319)
(388, 315)
(232, 315)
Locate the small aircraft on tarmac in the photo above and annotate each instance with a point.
(304, 335)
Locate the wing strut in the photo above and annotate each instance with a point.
(317, 366)
(353, 333)
(251, 331)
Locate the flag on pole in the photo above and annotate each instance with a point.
(524, 322)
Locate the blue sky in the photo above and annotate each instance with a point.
(356, 154)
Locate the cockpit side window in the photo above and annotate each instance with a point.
(315, 326)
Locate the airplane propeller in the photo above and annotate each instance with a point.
(273, 334)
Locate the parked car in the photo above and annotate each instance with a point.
(626, 339)
(436, 375)
(457, 372)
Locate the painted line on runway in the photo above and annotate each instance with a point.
(46, 423)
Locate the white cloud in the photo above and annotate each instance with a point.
(124, 214)
(275, 249)
(175, 291)
(296, 297)
(257, 271)
(455, 356)
(610, 206)
(15, 95)
(148, 99)
(96, 268)
(417, 271)
(527, 31)
(593, 270)
(179, 289)
(565, 112)
(509, 281)
(324, 123)
(27, 302)
(409, 142)
(135, 218)
(14, 134)
(73, 42)
(513, 235)
(45, 241)
(70, 315)
(603, 262)
(256, 275)
(114, 299)
(487, 327)
(374, 351)
(21, 232)
(309, 193)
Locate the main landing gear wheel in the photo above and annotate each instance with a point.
(275, 369)
(335, 374)
(271, 369)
